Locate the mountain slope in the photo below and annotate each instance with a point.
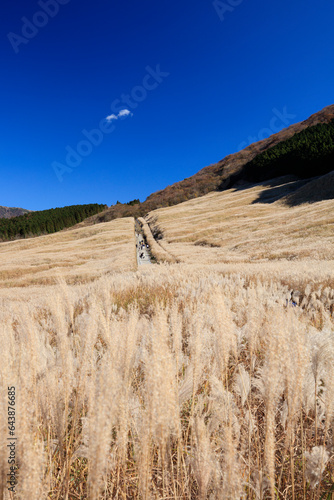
(306, 154)
(7, 212)
(233, 227)
(316, 190)
(219, 176)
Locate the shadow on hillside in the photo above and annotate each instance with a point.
(296, 192)
(280, 188)
(318, 189)
(273, 189)
(291, 190)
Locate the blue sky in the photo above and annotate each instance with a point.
(216, 76)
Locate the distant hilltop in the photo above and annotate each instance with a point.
(304, 150)
(8, 213)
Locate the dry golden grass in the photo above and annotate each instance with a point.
(194, 380)
(175, 382)
(77, 255)
(230, 227)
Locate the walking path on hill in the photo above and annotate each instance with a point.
(143, 255)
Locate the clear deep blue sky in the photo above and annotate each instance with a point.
(227, 73)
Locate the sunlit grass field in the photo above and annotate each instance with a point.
(210, 378)
(234, 226)
(75, 254)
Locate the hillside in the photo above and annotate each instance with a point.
(46, 221)
(235, 168)
(316, 190)
(240, 226)
(7, 212)
(76, 255)
(307, 153)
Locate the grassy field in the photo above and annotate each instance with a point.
(193, 380)
(75, 255)
(235, 226)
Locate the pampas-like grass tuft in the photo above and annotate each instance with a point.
(169, 383)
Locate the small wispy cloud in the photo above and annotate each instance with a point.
(111, 117)
(121, 114)
(124, 112)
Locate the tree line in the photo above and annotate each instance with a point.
(307, 154)
(46, 221)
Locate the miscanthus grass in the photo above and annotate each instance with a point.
(170, 383)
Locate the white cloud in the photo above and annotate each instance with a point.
(121, 114)
(124, 112)
(111, 117)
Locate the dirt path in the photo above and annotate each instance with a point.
(143, 254)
